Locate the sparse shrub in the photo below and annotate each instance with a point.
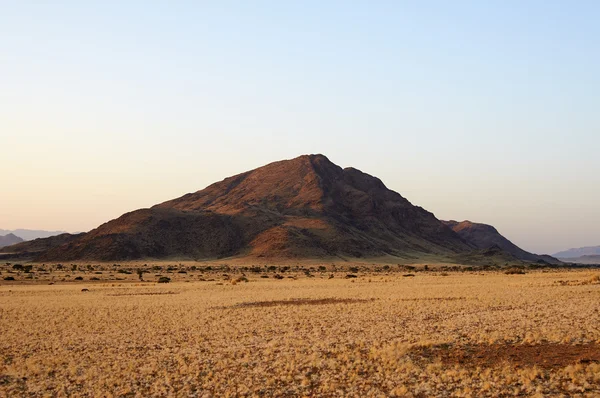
(79, 278)
(124, 271)
(514, 271)
(277, 276)
(9, 278)
(354, 269)
(164, 279)
(349, 276)
(264, 276)
(322, 268)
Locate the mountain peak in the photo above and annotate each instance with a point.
(9, 240)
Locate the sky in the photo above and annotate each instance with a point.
(478, 110)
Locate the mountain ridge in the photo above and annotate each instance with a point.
(485, 236)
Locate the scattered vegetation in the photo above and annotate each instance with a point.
(468, 333)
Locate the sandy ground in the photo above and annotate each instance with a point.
(309, 333)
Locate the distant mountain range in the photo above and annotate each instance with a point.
(582, 255)
(302, 208)
(582, 251)
(30, 234)
(9, 239)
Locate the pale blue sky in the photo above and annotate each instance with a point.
(475, 110)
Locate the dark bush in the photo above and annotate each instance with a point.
(164, 279)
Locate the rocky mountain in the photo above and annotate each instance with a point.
(300, 208)
(579, 252)
(485, 236)
(9, 239)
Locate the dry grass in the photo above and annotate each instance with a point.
(463, 334)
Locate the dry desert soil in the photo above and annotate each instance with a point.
(315, 331)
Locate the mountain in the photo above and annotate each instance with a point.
(30, 234)
(582, 251)
(587, 259)
(485, 236)
(300, 208)
(33, 248)
(9, 239)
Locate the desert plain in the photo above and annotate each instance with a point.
(325, 330)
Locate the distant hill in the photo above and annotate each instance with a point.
(30, 234)
(587, 259)
(33, 248)
(582, 251)
(485, 236)
(9, 239)
(306, 207)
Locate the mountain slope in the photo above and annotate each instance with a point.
(35, 247)
(485, 236)
(304, 207)
(10, 239)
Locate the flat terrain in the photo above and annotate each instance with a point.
(290, 332)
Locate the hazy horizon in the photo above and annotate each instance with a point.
(485, 112)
